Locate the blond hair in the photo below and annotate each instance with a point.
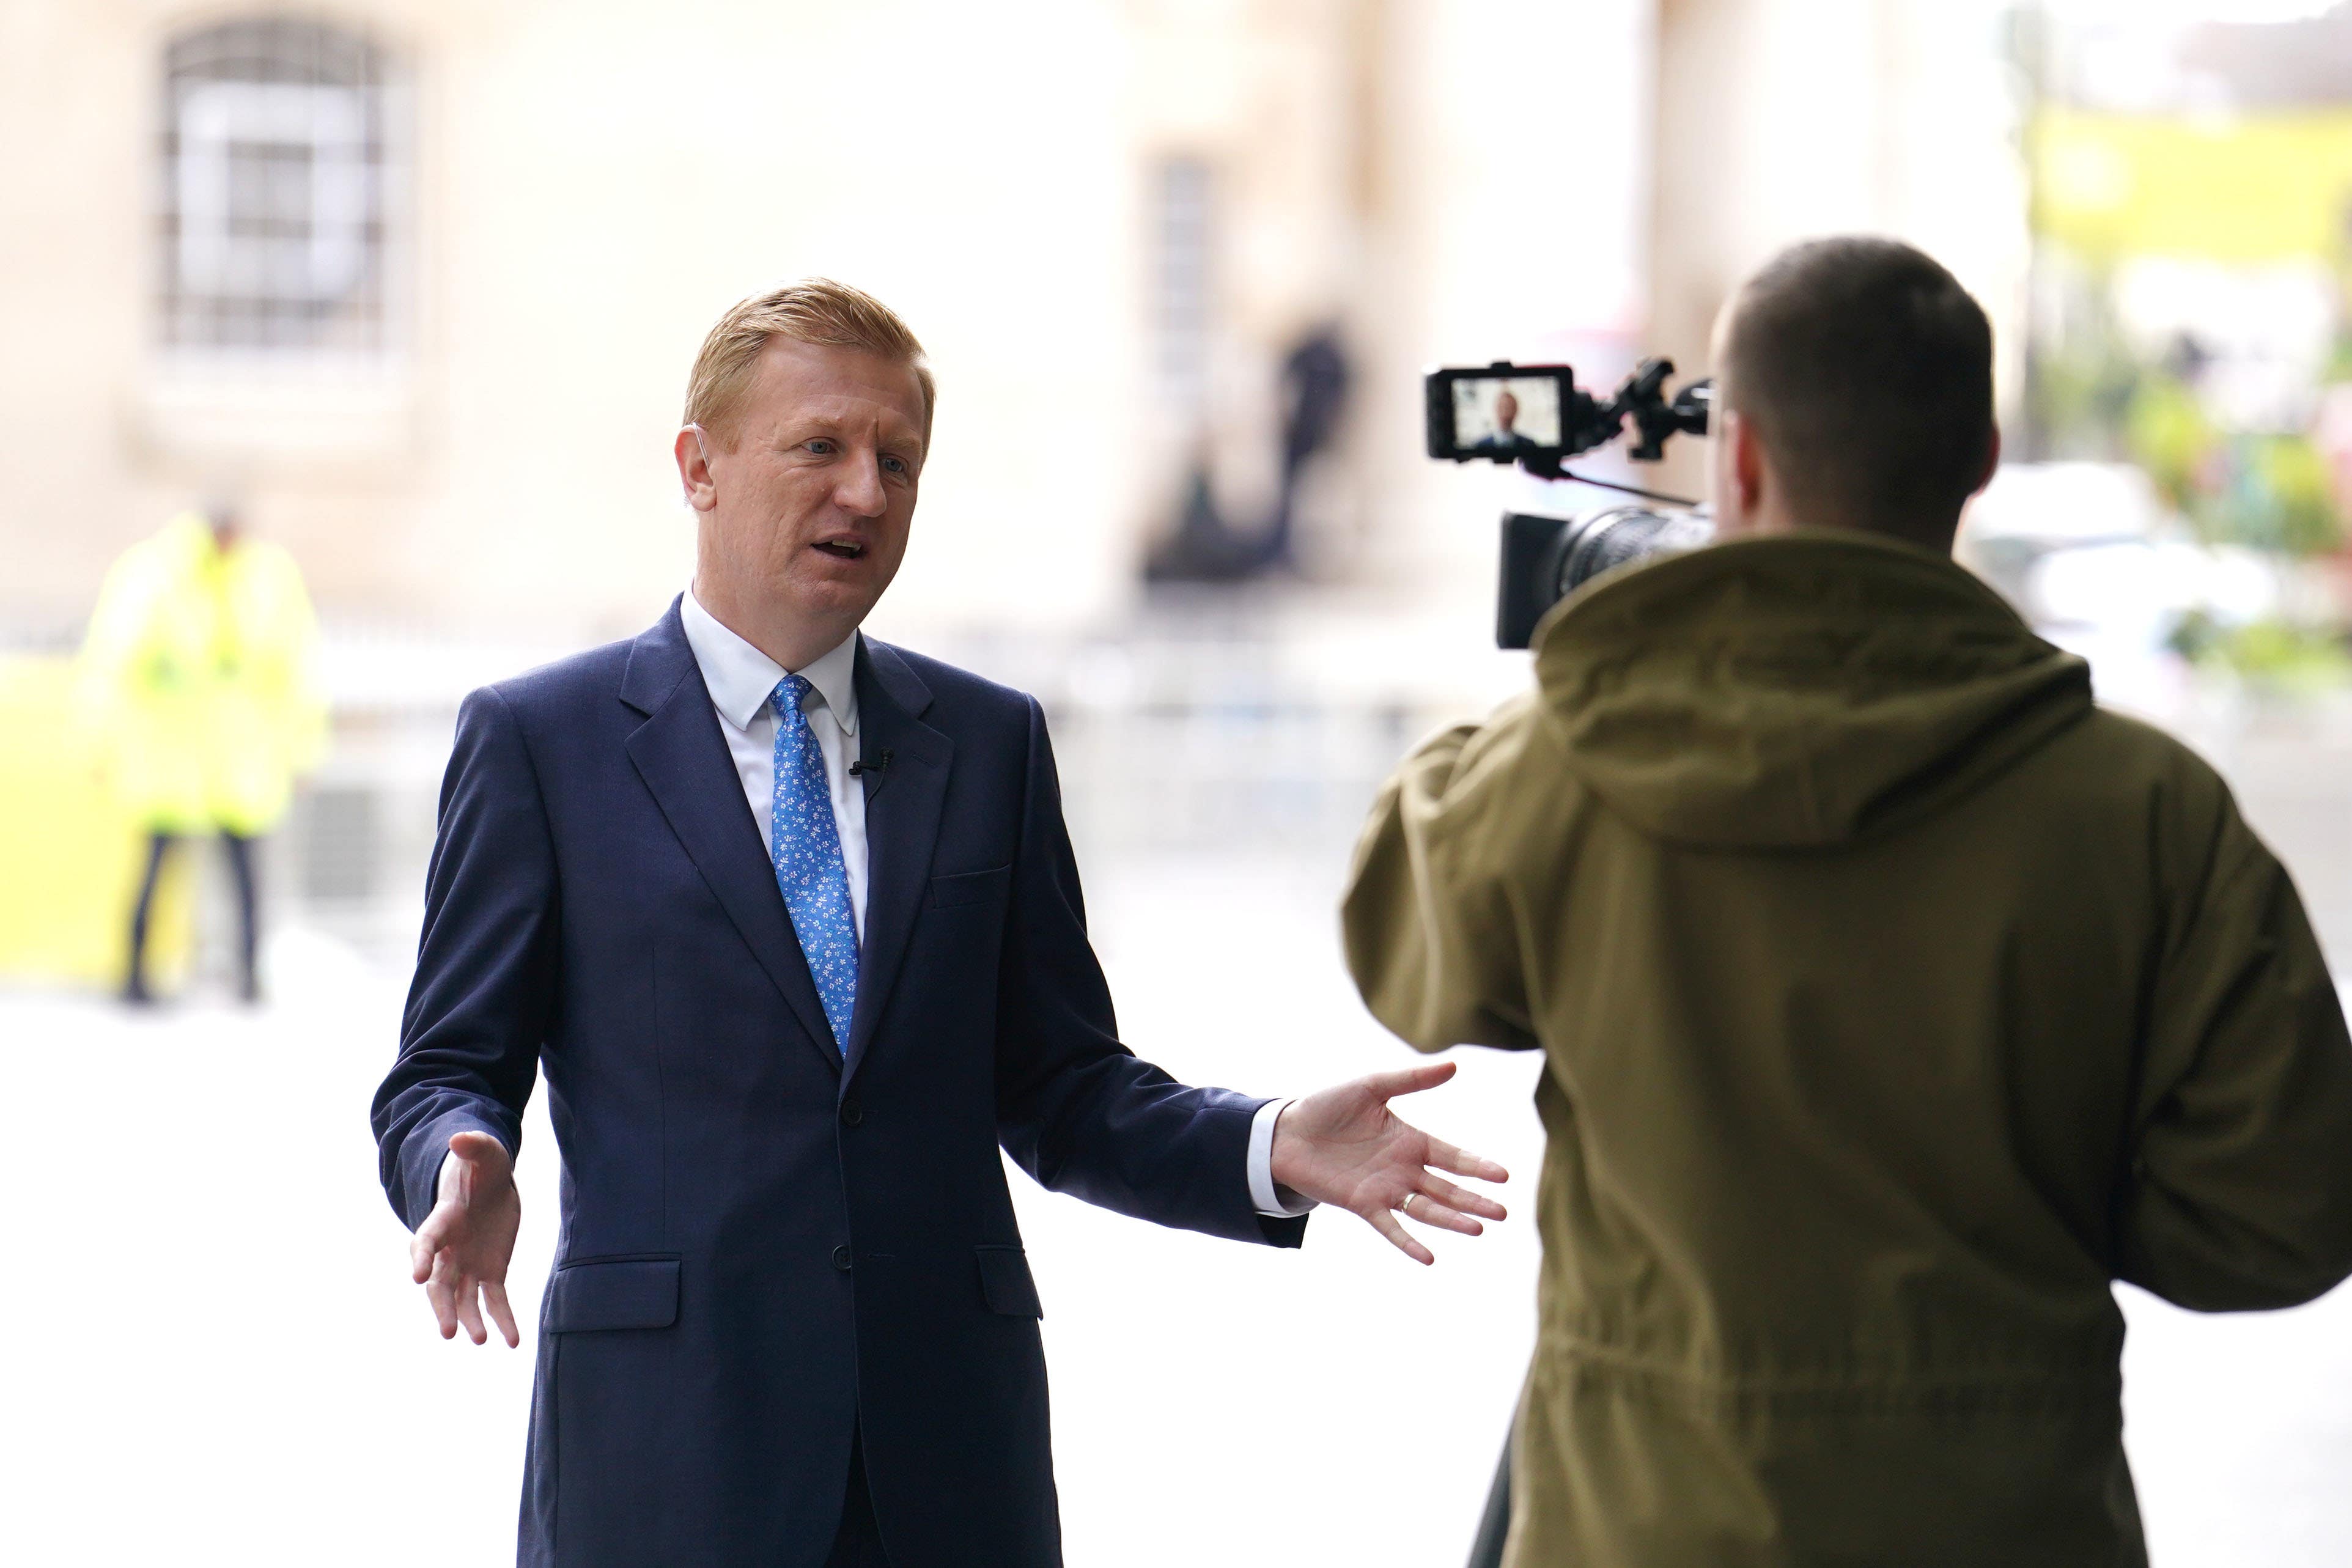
(815, 310)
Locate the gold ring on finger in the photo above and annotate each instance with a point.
(1405, 1207)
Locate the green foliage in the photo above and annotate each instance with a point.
(2279, 497)
(2092, 396)
(2168, 434)
(2268, 491)
(2273, 656)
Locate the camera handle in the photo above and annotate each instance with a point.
(1688, 414)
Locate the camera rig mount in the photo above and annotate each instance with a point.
(1587, 422)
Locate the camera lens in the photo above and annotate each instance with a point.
(1620, 535)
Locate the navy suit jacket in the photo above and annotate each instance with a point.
(763, 1245)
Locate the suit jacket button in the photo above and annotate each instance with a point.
(841, 1259)
(852, 1113)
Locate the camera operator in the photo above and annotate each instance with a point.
(1897, 999)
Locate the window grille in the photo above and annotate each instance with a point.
(273, 181)
(1183, 195)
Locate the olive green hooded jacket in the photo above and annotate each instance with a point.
(1895, 1001)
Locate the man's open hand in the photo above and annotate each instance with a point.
(464, 1245)
(1344, 1146)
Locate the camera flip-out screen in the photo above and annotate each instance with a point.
(1502, 412)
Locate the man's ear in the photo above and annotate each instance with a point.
(1991, 463)
(1748, 467)
(692, 450)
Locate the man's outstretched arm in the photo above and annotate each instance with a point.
(448, 1117)
(1345, 1147)
(1085, 1116)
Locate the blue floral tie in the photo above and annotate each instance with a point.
(805, 846)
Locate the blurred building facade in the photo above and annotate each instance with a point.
(419, 280)
(417, 283)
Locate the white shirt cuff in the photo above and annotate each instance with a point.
(1271, 1201)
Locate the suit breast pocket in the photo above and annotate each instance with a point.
(972, 887)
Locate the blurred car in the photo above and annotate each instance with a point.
(2092, 558)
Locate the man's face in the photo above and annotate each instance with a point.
(1506, 412)
(807, 501)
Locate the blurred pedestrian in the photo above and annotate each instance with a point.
(200, 672)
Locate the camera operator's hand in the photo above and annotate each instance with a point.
(1345, 1147)
(462, 1250)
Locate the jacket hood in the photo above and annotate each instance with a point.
(1797, 691)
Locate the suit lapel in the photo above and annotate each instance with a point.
(683, 758)
(902, 822)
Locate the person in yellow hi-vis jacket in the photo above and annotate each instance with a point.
(201, 673)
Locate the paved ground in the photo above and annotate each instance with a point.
(215, 1356)
(221, 1310)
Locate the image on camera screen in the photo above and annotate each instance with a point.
(1506, 414)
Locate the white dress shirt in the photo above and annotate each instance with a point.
(740, 679)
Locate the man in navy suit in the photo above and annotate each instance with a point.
(788, 919)
(1504, 436)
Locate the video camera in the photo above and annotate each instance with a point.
(1537, 417)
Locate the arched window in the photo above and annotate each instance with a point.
(275, 181)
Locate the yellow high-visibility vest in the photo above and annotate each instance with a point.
(200, 676)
